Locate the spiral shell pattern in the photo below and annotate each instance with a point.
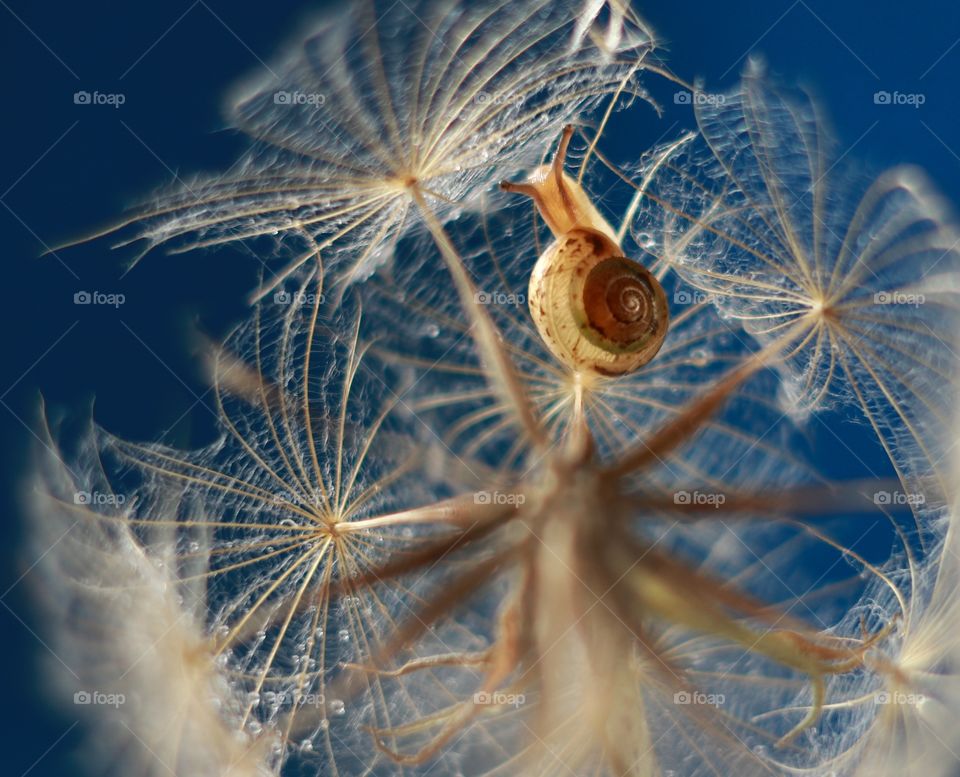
(595, 309)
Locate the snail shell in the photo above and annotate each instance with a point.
(595, 309)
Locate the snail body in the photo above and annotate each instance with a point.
(596, 310)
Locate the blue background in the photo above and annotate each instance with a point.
(67, 168)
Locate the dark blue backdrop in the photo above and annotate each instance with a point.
(67, 167)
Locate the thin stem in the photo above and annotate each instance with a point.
(484, 332)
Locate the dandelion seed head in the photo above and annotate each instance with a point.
(382, 99)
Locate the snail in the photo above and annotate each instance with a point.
(595, 309)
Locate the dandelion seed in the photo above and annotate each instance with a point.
(386, 99)
(130, 635)
(864, 300)
(301, 503)
(908, 718)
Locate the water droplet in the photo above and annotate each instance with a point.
(337, 707)
(344, 635)
(646, 240)
(253, 698)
